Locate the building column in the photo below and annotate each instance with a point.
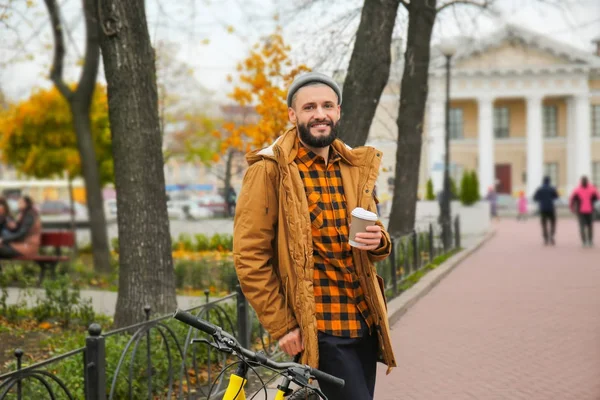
(583, 137)
(535, 144)
(487, 173)
(571, 147)
(436, 146)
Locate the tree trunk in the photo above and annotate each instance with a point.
(368, 71)
(413, 96)
(93, 189)
(80, 101)
(146, 266)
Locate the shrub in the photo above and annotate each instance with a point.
(476, 196)
(64, 303)
(469, 188)
(430, 195)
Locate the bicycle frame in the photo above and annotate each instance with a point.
(237, 381)
(223, 341)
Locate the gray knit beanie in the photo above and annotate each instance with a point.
(312, 77)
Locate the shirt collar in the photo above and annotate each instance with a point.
(308, 157)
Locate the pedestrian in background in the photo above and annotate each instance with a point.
(492, 197)
(582, 203)
(522, 207)
(545, 196)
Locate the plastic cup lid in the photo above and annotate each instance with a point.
(364, 214)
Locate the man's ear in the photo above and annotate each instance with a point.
(292, 115)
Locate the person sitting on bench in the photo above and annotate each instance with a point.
(6, 221)
(24, 239)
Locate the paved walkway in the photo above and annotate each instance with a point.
(516, 320)
(103, 301)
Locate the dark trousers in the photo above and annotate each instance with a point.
(586, 228)
(7, 252)
(352, 359)
(548, 217)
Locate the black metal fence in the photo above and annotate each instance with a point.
(154, 359)
(412, 253)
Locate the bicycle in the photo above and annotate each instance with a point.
(291, 371)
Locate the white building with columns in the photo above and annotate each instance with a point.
(523, 106)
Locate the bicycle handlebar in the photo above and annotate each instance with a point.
(196, 322)
(214, 330)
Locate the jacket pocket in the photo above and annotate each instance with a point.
(382, 289)
(314, 208)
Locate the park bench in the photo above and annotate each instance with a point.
(57, 240)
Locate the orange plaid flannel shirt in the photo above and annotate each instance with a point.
(339, 299)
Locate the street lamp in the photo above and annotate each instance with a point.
(448, 49)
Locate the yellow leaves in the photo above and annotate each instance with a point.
(39, 140)
(229, 126)
(263, 78)
(205, 41)
(230, 29)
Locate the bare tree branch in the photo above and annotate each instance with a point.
(56, 71)
(480, 4)
(87, 80)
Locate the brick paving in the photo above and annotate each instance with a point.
(516, 320)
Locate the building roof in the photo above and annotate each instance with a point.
(469, 47)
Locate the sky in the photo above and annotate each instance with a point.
(212, 36)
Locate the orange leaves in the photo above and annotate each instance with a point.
(45, 325)
(263, 78)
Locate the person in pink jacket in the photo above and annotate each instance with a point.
(522, 206)
(582, 203)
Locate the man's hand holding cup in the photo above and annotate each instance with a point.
(364, 233)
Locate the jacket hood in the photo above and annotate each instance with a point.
(285, 148)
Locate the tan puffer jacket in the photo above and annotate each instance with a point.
(273, 244)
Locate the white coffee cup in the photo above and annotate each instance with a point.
(361, 218)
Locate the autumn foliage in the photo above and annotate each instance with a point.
(264, 77)
(39, 140)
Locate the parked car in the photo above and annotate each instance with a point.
(215, 203)
(58, 208)
(194, 211)
(174, 210)
(111, 207)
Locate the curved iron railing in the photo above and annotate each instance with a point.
(140, 372)
(16, 379)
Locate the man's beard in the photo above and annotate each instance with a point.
(318, 142)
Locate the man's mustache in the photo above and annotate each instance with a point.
(324, 121)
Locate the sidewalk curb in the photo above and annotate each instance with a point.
(404, 302)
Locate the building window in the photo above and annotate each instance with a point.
(501, 122)
(596, 120)
(596, 174)
(551, 170)
(456, 123)
(550, 121)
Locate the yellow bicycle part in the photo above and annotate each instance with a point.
(233, 391)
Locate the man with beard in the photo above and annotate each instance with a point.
(316, 294)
